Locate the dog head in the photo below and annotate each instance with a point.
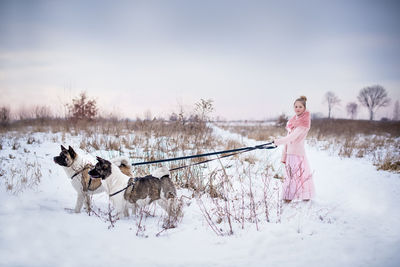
(102, 169)
(66, 157)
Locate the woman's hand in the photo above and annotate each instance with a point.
(283, 159)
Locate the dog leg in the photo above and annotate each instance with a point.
(88, 202)
(163, 204)
(121, 213)
(168, 205)
(126, 210)
(119, 208)
(171, 207)
(79, 203)
(133, 207)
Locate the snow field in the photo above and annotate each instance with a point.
(354, 220)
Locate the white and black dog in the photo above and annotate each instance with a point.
(139, 191)
(77, 167)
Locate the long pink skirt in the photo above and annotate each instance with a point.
(298, 182)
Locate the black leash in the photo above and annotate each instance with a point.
(224, 156)
(79, 172)
(73, 176)
(231, 151)
(244, 149)
(119, 191)
(205, 161)
(126, 187)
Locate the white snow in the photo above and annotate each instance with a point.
(354, 221)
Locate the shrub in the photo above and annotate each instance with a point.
(83, 108)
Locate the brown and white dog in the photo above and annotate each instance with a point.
(113, 180)
(140, 192)
(77, 167)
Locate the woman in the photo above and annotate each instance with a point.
(298, 183)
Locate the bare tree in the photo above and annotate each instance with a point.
(282, 120)
(147, 115)
(396, 111)
(332, 101)
(352, 109)
(83, 108)
(4, 116)
(24, 113)
(42, 112)
(204, 107)
(173, 117)
(373, 97)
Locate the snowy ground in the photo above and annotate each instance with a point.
(354, 221)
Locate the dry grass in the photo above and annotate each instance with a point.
(226, 206)
(389, 162)
(20, 178)
(139, 140)
(339, 127)
(376, 140)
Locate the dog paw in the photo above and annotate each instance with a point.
(70, 210)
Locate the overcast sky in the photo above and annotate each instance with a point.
(253, 58)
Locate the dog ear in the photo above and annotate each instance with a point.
(99, 159)
(72, 152)
(63, 148)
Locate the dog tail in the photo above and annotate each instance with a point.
(122, 161)
(160, 172)
(124, 164)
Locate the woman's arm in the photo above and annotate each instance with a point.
(284, 152)
(290, 137)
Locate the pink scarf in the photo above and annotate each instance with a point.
(299, 121)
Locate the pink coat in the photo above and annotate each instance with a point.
(297, 128)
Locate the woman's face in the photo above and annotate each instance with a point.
(299, 108)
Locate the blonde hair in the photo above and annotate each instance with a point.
(302, 99)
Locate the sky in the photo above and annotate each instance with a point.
(252, 58)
